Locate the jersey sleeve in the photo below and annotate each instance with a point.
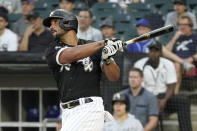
(52, 55)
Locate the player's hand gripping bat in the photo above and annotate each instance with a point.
(151, 34)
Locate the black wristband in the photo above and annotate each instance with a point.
(106, 61)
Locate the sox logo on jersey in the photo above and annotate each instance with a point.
(86, 62)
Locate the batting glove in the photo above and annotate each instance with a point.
(187, 66)
(108, 51)
(117, 43)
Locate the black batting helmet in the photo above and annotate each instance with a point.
(121, 98)
(66, 18)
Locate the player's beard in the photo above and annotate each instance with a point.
(59, 35)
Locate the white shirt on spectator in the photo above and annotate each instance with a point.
(90, 34)
(130, 124)
(13, 6)
(8, 41)
(156, 80)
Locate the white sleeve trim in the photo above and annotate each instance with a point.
(58, 54)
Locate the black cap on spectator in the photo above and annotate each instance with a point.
(182, 2)
(4, 15)
(71, 1)
(3, 10)
(33, 15)
(107, 22)
(155, 45)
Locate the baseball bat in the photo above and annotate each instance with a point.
(151, 34)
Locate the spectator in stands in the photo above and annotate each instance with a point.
(160, 79)
(143, 104)
(8, 39)
(184, 45)
(108, 29)
(36, 37)
(85, 30)
(67, 5)
(20, 26)
(13, 6)
(143, 26)
(123, 120)
(180, 7)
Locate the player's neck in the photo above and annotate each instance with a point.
(70, 38)
(121, 118)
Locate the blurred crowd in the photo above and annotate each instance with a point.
(155, 81)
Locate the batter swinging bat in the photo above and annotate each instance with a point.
(151, 34)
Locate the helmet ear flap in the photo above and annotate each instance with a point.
(61, 24)
(71, 24)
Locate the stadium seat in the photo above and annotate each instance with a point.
(137, 7)
(191, 4)
(165, 39)
(43, 8)
(14, 17)
(166, 9)
(53, 3)
(79, 6)
(129, 34)
(157, 3)
(103, 10)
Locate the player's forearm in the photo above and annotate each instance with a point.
(24, 43)
(78, 52)
(166, 53)
(112, 71)
(153, 120)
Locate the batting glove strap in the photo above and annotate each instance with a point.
(108, 51)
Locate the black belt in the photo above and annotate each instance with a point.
(74, 103)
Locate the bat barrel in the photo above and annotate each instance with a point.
(152, 34)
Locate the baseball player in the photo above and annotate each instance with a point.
(123, 120)
(77, 65)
